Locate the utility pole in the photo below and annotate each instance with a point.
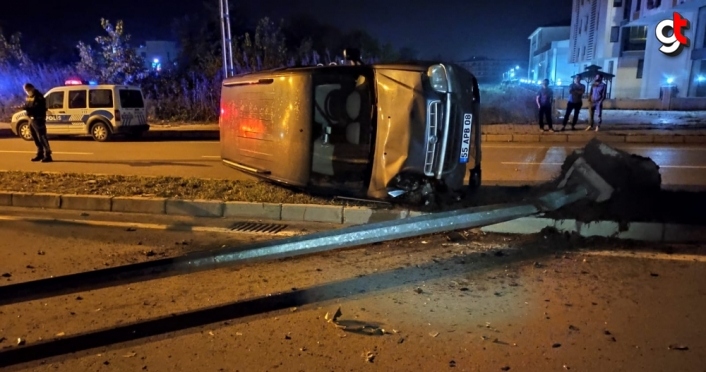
(227, 43)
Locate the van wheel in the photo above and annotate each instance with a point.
(100, 132)
(24, 132)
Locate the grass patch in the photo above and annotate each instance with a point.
(166, 187)
(507, 105)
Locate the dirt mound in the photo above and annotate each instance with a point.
(637, 194)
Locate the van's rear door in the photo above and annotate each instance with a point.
(132, 107)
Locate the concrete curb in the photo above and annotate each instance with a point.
(642, 231)
(203, 208)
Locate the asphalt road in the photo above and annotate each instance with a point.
(506, 164)
(544, 304)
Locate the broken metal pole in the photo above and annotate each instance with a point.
(289, 247)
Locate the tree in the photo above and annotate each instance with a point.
(114, 61)
(265, 50)
(11, 51)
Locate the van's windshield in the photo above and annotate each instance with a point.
(343, 128)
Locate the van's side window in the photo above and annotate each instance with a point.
(55, 100)
(77, 99)
(100, 98)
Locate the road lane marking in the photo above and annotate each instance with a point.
(657, 147)
(53, 152)
(145, 226)
(557, 164)
(649, 255)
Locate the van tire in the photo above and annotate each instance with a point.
(24, 131)
(100, 131)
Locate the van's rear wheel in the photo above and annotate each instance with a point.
(24, 131)
(100, 132)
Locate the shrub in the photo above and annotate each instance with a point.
(12, 78)
(507, 105)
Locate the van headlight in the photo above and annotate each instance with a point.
(438, 78)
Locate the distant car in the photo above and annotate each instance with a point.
(366, 131)
(83, 109)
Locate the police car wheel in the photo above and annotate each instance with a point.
(100, 132)
(24, 131)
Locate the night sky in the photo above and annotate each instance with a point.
(454, 29)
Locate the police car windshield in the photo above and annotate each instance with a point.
(131, 98)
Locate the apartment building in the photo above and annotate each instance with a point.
(619, 36)
(687, 71)
(549, 55)
(158, 54)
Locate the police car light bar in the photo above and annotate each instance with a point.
(73, 82)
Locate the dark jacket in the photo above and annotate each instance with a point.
(36, 105)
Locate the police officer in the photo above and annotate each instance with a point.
(36, 107)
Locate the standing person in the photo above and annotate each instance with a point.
(545, 98)
(36, 107)
(596, 96)
(575, 102)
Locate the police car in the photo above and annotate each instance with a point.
(78, 108)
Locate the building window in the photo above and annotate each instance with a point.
(634, 38)
(627, 9)
(617, 3)
(651, 4)
(610, 67)
(640, 67)
(638, 5)
(615, 34)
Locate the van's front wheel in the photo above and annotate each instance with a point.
(100, 132)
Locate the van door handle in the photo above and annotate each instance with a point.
(62, 112)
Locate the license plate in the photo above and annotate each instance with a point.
(466, 141)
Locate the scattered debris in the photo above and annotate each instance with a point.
(60, 334)
(130, 355)
(287, 337)
(293, 309)
(401, 340)
(6, 275)
(455, 237)
(2, 339)
(418, 290)
(302, 349)
(131, 229)
(556, 345)
(79, 298)
(452, 364)
(41, 253)
(434, 334)
(607, 332)
(30, 267)
(149, 253)
(84, 214)
(506, 368)
(573, 328)
(566, 367)
(464, 289)
(211, 333)
(369, 356)
(654, 274)
(678, 347)
(20, 341)
(335, 316)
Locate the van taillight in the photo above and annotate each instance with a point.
(117, 115)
